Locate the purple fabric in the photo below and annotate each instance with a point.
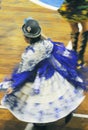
(47, 67)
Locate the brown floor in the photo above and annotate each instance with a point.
(12, 43)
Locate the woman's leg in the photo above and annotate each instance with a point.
(74, 34)
(84, 41)
(68, 118)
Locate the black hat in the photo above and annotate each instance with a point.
(31, 28)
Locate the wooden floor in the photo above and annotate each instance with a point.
(12, 44)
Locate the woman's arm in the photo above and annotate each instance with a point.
(29, 60)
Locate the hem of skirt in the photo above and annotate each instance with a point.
(50, 121)
(74, 20)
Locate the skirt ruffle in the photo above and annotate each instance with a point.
(75, 10)
(57, 98)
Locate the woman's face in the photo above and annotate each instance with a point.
(27, 39)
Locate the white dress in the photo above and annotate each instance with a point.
(42, 100)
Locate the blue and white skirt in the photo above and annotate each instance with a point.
(56, 91)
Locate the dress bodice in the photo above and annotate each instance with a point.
(35, 53)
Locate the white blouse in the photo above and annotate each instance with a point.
(34, 54)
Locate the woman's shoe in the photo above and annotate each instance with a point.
(39, 126)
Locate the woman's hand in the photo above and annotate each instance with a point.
(9, 90)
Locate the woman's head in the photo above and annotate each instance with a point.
(31, 28)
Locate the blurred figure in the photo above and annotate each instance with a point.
(76, 11)
(46, 86)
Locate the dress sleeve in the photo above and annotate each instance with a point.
(30, 58)
(34, 55)
(19, 79)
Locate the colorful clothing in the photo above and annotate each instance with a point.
(46, 84)
(74, 10)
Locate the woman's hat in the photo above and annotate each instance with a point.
(31, 28)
